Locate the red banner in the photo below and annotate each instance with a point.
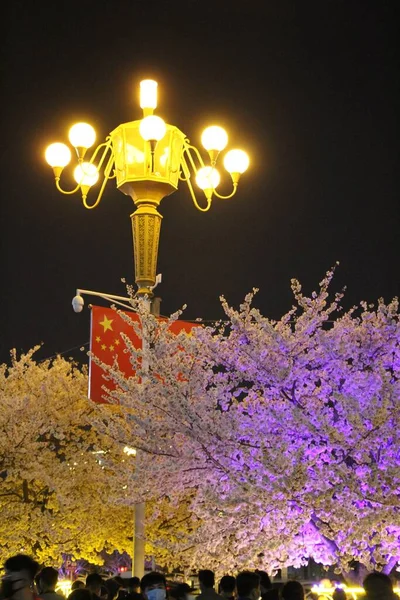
(107, 344)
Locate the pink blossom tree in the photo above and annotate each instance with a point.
(284, 434)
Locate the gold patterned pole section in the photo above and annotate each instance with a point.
(146, 226)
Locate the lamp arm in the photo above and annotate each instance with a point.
(107, 146)
(107, 176)
(108, 297)
(185, 168)
(188, 149)
(186, 178)
(235, 186)
(67, 192)
(192, 192)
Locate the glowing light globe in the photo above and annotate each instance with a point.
(148, 93)
(236, 161)
(58, 155)
(207, 178)
(214, 138)
(152, 128)
(82, 135)
(86, 174)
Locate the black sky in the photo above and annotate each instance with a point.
(311, 89)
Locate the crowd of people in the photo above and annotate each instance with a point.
(25, 580)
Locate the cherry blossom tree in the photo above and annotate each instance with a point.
(62, 483)
(284, 434)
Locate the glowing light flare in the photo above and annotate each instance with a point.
(236, 161)
(64, 587)
(207, 178)
(133, 155)
(164, 157)
(58, 155)
(82, 135)
(152, 128)
(325, 590)
(214, 138)
(86, 174)
(130, 451)
(148, 93)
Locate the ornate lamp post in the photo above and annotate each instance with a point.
(147, 158)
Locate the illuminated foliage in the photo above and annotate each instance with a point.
(57, 494)
(169, 525)
(285, 432)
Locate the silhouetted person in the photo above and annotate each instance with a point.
(182, 591)
(94, 583)
(133, 585)
(339, 594)
(207, 583)
(378, 586)
(248, 585)
(113, 587)
(292, 590)
(132, 589)
(227, 587)
(77, 585)
(81, 593)
(267, 591)
(17, 583)
(46, 582)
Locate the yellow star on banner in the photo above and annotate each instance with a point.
(106, 323)
(103, 347)
(111, 347)
(116, 342)
(98, 339)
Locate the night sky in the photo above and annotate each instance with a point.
(310, 89)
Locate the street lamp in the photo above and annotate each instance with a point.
(147, 158)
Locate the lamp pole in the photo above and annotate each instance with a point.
(139, 539)
(147, 158)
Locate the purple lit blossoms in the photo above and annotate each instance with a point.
(285, 434)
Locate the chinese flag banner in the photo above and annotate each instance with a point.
(106, 343)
